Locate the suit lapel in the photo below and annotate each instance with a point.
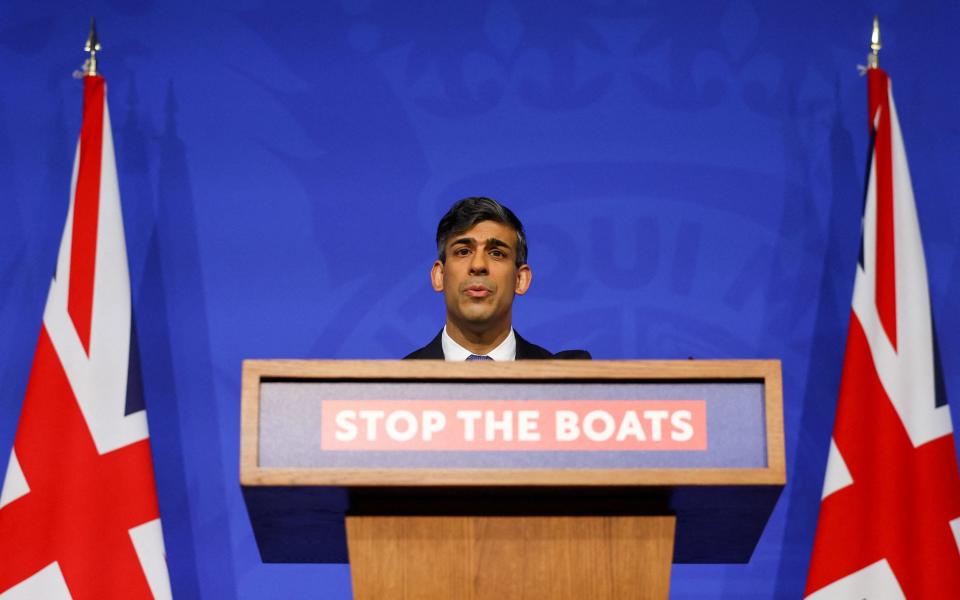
(528, 351)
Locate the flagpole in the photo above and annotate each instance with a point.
(92, 46)
(873, 59)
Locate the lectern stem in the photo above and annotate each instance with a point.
(510, 557)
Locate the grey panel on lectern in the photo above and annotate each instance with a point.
(291, 413)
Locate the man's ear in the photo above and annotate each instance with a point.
(524, 277)
(436, 276)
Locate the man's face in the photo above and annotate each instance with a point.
(480, 276)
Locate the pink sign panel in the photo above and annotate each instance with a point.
(513, 425)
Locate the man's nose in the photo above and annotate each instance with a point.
(478, 263)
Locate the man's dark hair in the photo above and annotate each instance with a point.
(468, 212)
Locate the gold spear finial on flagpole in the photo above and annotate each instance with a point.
(873, 59)
(92, 46)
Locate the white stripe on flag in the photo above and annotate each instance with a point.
(838, 475)
(875, 582)
(148, 542)
(14, 484)
(46, 584)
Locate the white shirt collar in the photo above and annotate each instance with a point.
(452, 351)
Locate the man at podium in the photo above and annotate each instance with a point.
(481, 266)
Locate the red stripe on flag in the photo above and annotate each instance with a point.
(81, 504)
(86, 211)
(902, 498)
(886, 292)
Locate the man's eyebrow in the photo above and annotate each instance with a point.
(495, 243)
(469, 241)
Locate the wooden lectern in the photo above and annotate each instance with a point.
(531, 479)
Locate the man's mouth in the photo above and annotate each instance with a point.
(477, 291)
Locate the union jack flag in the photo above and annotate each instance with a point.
(78, 511)
(889, 524)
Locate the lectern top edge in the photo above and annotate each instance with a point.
(530, 369)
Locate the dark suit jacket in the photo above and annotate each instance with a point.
(525, 350)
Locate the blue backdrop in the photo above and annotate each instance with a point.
(690, 174)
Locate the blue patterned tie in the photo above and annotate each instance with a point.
(478, 357)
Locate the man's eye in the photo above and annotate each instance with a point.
(461, 251)
(497, 253)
